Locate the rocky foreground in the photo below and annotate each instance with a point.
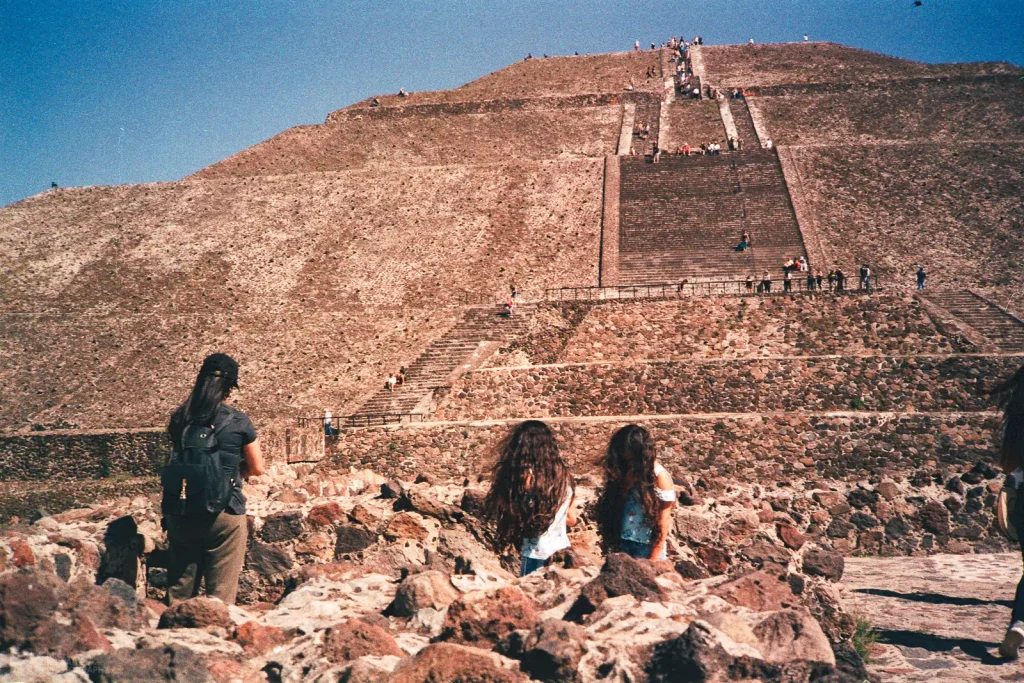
(356, 578)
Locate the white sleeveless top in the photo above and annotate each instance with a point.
(554, 539)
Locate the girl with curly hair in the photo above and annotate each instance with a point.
(634, 508)
(531, 498)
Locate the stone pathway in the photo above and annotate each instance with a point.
(939, 618)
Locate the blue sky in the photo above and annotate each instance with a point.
(104, 92)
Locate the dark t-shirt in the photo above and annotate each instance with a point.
(233, 430)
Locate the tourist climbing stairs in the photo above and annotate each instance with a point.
(682, 218)
(1004, 331)
(435, 367)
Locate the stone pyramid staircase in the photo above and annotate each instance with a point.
(1005, 331)
(479, 333)
(683, 217)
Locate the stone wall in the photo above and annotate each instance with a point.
(764, 448)
(953, 208)
(794, 63)
(421, 136)
(730, 327)
(923, 384)
(583, 74)
(938, 111)
(76, 455)
(319, 284)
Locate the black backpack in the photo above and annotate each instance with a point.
(195, 480)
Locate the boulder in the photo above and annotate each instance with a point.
(21, 554)
(762, 553)
(29, 618)
(352, 539)
(281, 526)
(325, 515)
(112, 605)
(258, 639)
(431, 589)
(482, 618)
(790, 536)
(196, 613)
(826, 563)
(734, 626)
(688, 569)
(450, 663)
(354, 639)
(406, 526)
(362, 515)
(861, 498)
(715, 559)
(934, 518)
(267, 560)
(149, 665)
(620, 575)
(703, 654)
(758, 591)
(123, 546)
(793, 634)
(553, 650)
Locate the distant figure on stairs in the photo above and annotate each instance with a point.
(787, 282)
(510, 307)
(810, 281)
(402, 93)
(789, 265)
(401, 375)
(818, 279)
(768, 144)
(921, 275)
(636, 46)
(766, 282)
(840, 279)
(744, 242)
(831, 279)
(655, 153)
(514, 291)
(374, 102)
(328, 426)
(391, 382)
(750, 284)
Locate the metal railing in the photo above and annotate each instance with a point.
(362, 420)
(474, 299)
(670, 290)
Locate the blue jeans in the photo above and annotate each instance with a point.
(530, 565)
(641, 551)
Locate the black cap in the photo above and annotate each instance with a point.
(221, 365)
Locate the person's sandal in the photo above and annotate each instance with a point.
(1012, 641)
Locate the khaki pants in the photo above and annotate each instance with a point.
(213, 550)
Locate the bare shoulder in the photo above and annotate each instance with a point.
(664, 479)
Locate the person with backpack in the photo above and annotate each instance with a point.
(215, 448)
(531, 501)
(1010, 502)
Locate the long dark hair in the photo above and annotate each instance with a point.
(628, 464)
(529, 483)
(207, 394)
(1011, 450)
